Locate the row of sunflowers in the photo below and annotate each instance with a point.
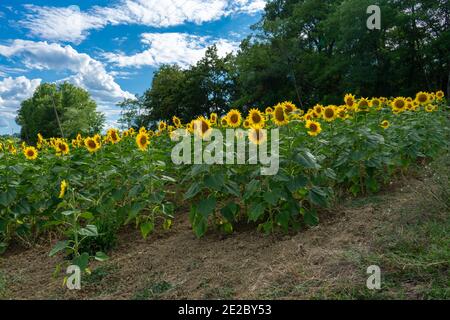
(85, 190)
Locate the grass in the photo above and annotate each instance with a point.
(153, 290)
(3, 286)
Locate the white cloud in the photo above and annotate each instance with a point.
(87, 72)
(12, 92)
(180, 48)
(72, 25)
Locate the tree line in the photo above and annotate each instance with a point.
(308, 52)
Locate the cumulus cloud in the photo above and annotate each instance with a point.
(72, 25)
(12, 92)
(180, 48)
(87, 72)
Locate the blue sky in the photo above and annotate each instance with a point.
(110, 48)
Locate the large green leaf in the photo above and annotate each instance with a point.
(207, 206)
(256, 211)
(61, 245)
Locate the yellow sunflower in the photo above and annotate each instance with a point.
(313, 127)
(224, 121)
(279, 117)
(213, 118)
(363, 105)
(385, 124)
(256, 118)
(269, 110)
(62, 147)
(176, 121)
(329, 113)
(257, 135)
(429, 108)
(440, 95)
(63, 189)
(375, 103)
(162, 125)
(318, 109)
(349, 100)
(142, 141)
(246, 123)
(30, 152)
(399, 104)
(202, 127)
(234, 118)
(422, 97)
(91, 144)
(289, 107)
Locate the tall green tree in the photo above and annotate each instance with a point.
(59, 110)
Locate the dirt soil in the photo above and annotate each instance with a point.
(245, 265)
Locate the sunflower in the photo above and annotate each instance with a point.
(363, 105)
(280, 117)
(399, 104)
(98, 139)
(63, 189)
(349, 100)
(429, 108)
(440, 95)
(162, 125)
(246, 123)
(224, 121)
(422, 97)
(113, 135)
(329, 113)
(318, 109)
(256, 118)
(202, 127)
(385, 124)
(142, 141)
(269, 110)
(234, 118)
(375, 103)
(257, 136)
(176, 121)
(289, 107)
(142, 130)
(62, 147)
(341, 113)
(213, 118)
(313, 127)
(30, 152)
(91, 144)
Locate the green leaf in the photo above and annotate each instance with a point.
(283, 219)
(101, 256)
(311, 218)
(255, 211)
(215, 181)
(61, 245)
(8, 197)
(272, 197)
(89, 231)
(192, 191)
(87, 216)
(307, 159)
(251, 188)
(230, 211)
(206, 207)
(81, 261)
(318, 197)
(147, 228)
(297, 182)
(233, 188)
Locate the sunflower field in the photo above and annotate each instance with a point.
(80, 193)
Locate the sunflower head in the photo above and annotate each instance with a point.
(62, 147)
(213, 118)
(257, 135)
(269, 111)
(440, 95)
(399, 104)
(202, 127)
(234, 118)
(113, 135)
(91, 144)
(176, 122)
(143, 140)
(329, 113)
(429, 108)
(30, 152)
(279, 116)
(256, 118)
(422, 97)
(162, 125)
(289, 107)
(313, 127)
(385, 124)
(349, 100)
(318, 109)
(246, 123)
(224, 121)
(363, 105)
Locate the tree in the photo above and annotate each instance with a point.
(59, 110)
